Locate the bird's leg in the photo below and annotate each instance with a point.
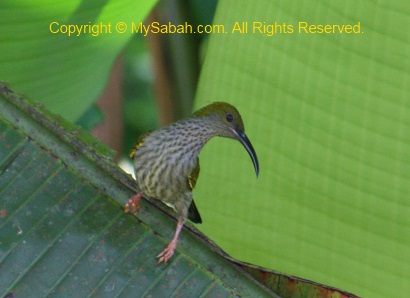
(168, 252)
(134, 203)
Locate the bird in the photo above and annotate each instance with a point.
(166, 162)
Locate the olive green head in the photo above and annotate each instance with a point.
(228, 123)
(222, 114)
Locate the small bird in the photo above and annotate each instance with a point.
(166, 161)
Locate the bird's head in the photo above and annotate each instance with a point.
(227, 122)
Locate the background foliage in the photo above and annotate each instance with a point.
(65, 73)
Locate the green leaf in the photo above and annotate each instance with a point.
(63, 230)
(329, 117)
(91, 117)
(66, 73)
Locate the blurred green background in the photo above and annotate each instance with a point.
(327, 114)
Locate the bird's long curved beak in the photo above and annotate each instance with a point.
(241, 136)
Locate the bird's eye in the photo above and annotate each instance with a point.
(229, 118)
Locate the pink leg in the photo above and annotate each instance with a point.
(133, 203)
(168, 252)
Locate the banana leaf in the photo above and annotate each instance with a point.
(329, 117)
(61, 52)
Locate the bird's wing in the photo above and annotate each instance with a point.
(194, 175)
(193, 213)
(138, 143)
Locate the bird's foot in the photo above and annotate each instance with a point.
(167, 253)
(133, 204)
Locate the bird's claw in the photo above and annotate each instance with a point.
(133, 204)
(167, 253)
